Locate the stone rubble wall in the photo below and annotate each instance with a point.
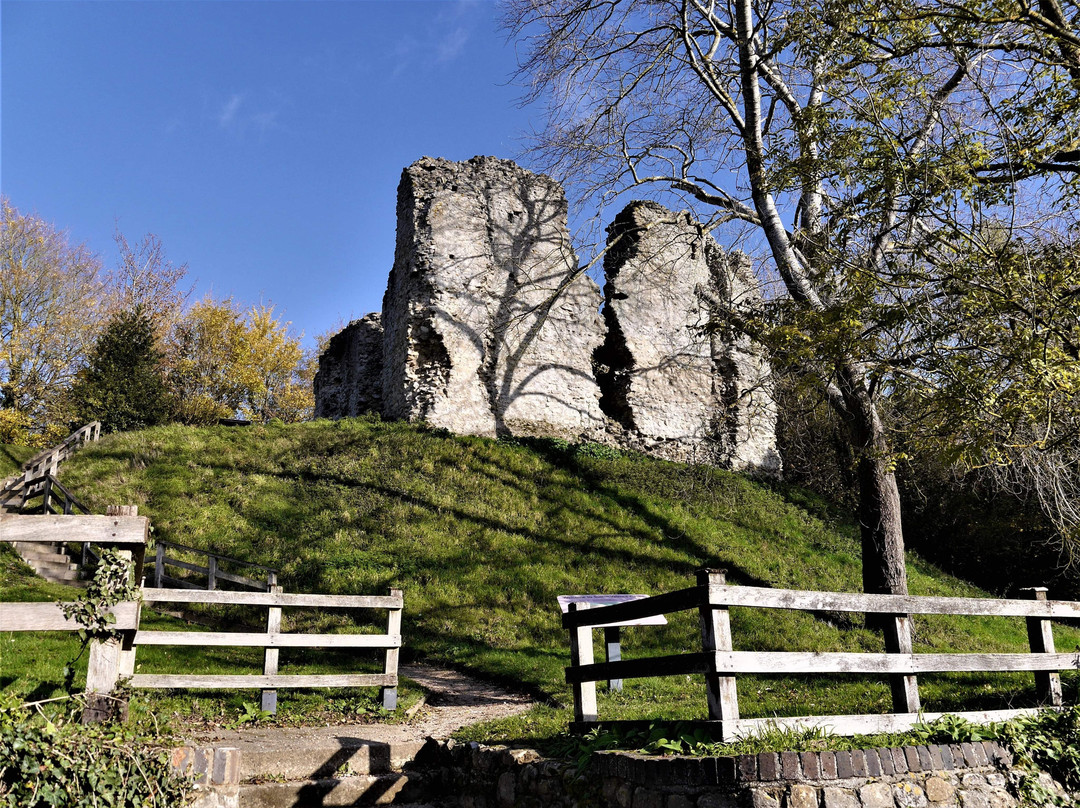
(741, 371)
(490, 328)
(975, 775)
(349, 380)
(680, 388)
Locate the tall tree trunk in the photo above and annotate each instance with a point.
(879, 499)
(883, 568)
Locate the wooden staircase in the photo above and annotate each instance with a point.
(49, 561)
(38, 481)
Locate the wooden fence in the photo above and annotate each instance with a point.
(113, 659)
(108, 659)
(274, 639)
(213, 570)
(721, 664)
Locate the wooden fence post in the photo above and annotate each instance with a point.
(126, 664)
(1041, 640)
(905, 687)
(271, 580)
(721, 691)
(102, 673)
(126, 651)
(46, 495)
(581, 653)
(613, 653)
(159, 565)
(270, 655)
(393, 626)
(211, 572)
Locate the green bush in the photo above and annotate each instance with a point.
(56, 762)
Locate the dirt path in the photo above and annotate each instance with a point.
(457, 700)
(454, 700)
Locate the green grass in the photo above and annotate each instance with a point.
(12, 458)
(483, 535)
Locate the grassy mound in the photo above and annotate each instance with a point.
(482, 536)
(12, 458)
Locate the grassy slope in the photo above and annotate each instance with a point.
(12, 458)
(483, 535)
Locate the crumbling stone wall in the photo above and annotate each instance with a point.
(935, 776)
(746, 413)
(490, 329)
(349, 379)
(682, 386)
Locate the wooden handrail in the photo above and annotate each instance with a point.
(44, 487)
(218, 555)
(212, 570)
(43, 465)
(720, 664)
(85, 434)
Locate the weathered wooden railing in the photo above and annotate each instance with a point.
(108, 659)
(212, 571)
(55, 498)
(45, 462)
(721, 664)
(274, 639)
(19, 489)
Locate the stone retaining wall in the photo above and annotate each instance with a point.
(935, 776)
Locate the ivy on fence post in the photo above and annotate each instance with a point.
(112, 584)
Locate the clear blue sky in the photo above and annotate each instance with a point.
(262, 140)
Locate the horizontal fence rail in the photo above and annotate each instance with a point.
(107, 658)
(50, 617)
(274, 639)
(126, 532)
(721, 664)
(212, 570)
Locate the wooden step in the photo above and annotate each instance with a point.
(33, 557)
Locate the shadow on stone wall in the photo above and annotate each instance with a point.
(489, 327)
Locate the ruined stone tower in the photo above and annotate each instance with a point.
(682, 386)
(349, 380)
(489, 327)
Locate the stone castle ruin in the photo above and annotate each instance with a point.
(489, 327)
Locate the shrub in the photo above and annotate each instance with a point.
(55, 762)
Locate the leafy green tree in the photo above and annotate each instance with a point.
(868, 150)
(51, 304)
(123, 384)
(225, 362)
